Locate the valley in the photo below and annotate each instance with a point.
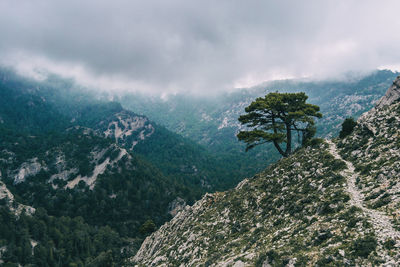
(199, 133)
(69, 155)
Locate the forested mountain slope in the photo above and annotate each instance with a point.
(82, 161)
(334, 203)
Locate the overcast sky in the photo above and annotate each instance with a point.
(198, 46)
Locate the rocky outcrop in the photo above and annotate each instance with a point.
(29, 168)
(8, 199)
(100, 167)
(391, 96)
(127, 128)
(176, 206)
(335, 203)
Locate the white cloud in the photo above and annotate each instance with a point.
(172, 46)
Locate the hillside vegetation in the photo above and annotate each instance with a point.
(334, 203)
(87, 162)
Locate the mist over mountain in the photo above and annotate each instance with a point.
(334, 203)
(73, 157)
(120, 124)
(161, 47)
(212, 121)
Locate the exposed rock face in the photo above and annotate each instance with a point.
(8, 198)
(336, 203)
(63, 168)
(392, 95)
(29, 168)
(176, 206)
(99, 168)
(127, 128)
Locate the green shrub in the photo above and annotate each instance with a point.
(364, 246)
(314, 142)
(270, 256)
(384, 200)
(352, 222)
(147, 227)
(325, 209)
(320, 237)
(374, 195)
(389, 244)
(347, 127)
(390, 120)
(325, 261)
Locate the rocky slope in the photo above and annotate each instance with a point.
(335, 203)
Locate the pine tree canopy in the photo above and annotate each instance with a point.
(273, 118)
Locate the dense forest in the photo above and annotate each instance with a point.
(59, 129)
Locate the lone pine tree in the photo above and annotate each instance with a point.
(273, 118)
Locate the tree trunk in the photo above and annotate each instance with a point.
(275, 131)
(279, 149)
(288, 140)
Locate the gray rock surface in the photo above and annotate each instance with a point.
(391, 96)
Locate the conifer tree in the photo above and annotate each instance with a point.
(274, 117)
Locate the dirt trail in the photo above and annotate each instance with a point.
(383, 227)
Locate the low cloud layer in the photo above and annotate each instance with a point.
(197, 46)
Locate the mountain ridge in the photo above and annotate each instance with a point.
(325, 205)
